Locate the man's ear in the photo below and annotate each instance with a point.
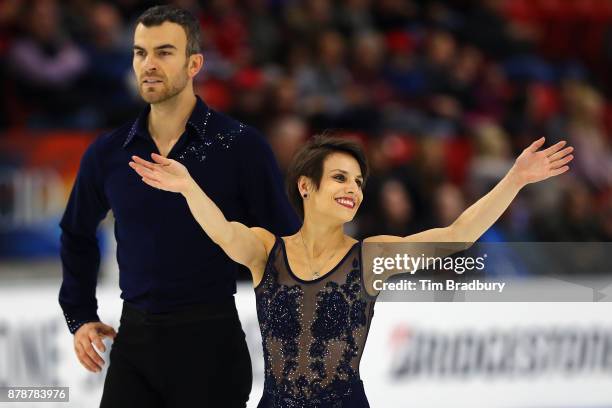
(196, 62)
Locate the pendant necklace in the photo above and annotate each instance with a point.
(314, 273)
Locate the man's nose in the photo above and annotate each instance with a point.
(150, 65)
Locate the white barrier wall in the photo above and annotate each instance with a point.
(418, 354)
(489, 355)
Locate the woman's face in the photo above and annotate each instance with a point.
(339, 194)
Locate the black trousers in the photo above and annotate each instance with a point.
(194, 358)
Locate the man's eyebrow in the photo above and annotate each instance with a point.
(164, 46)
(159, 47)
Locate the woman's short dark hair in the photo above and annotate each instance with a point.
(308, 162)
(158, 15)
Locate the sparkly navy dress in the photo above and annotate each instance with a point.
(313, 333)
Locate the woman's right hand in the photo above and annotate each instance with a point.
(164, 174)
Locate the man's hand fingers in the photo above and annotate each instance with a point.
(84, 359)
(84, 337)
(97, 341)
(93, 355)
(108, 331)
(88, 364)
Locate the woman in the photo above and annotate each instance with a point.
(314, 303)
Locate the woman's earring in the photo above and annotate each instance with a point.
(305, 195)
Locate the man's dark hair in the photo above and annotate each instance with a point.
(158, 15)
(309, 162)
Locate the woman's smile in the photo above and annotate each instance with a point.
(347, 202)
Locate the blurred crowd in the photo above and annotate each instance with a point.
(443, 94)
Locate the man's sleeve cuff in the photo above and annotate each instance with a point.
(74, 322)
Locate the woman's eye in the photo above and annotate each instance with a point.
(359, 183)
(339, 177)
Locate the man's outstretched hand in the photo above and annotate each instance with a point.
(85, 337)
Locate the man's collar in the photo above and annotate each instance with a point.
(197, 122)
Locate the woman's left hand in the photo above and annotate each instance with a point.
(533, 165)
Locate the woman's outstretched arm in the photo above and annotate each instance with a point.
(242, 244)
(530, 167)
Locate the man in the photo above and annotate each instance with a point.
(180, 343)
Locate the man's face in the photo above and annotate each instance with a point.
(160, 62)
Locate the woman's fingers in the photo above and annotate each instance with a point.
(144, 171)
(554, 148)
(141, 170)
(536, 145)
(155, 177)
(150, 177)
(160, 159)
(153, 183)
(560, 154)
(560, 170)
(558, 163)
(143, 162)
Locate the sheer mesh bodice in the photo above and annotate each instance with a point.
(313, 332)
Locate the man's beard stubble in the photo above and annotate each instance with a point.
(167, 93)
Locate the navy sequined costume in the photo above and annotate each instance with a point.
(313, 333)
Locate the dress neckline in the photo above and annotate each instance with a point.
(323, 276)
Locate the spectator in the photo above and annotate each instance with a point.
(436, 90)
(110, 74)
(286, 135)
(47, 66)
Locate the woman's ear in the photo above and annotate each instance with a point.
(304, 186)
